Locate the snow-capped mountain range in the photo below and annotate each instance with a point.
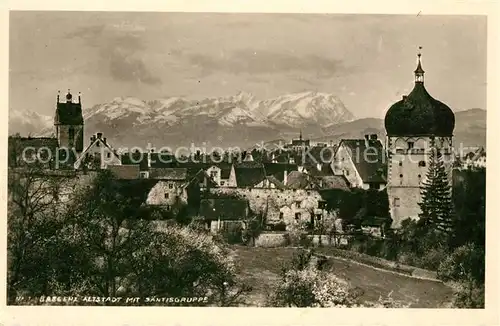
(238, 120)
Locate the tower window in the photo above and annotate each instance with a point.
(410, 145)
(166, 195)
(400, 175)
(419, 176)
(401, 163)
(421, 164)
(396, 202)
(297, 216)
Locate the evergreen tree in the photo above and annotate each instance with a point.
(436, 205)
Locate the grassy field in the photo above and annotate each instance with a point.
(260, 267)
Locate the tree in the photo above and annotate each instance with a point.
(100, 245)
(436, 204)
(33, 221)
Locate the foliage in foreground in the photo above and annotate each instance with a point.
(306, 283)
(97, 244)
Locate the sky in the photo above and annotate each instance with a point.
(366, 60)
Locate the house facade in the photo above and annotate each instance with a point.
(362, 162)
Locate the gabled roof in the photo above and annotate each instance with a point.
(224, 208)
(369, 158)
(97, 140)
(125, 172)
(249, 174)
(174, 174)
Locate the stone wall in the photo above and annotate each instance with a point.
(269, 240)
(280, 205)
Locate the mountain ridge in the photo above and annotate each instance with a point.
(236, 120)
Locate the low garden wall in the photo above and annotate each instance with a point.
(274, 239)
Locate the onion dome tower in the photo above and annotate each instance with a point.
(413, 126)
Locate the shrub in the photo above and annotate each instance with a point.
(233, 234)
(311, 288)
(466, 263)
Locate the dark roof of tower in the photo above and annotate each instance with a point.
(419, 114)
(68, 113)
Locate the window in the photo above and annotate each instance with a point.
(346, 172)
(213, 174)
(318, 217)
(71, 134)
(297, 203)
(166, 195)
(322, 204)
(410, 145)
(401, 163)
(396, 202)
(419, 176)
(143, 175)
(297, 216)
(97, 144)
(168, 208)
(281, 215)
(222, 183)
(400, 175)
(170, 186)
(108, 154)
(421, 164)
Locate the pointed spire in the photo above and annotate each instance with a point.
(419, 72)
(300, 136)
(58, 94)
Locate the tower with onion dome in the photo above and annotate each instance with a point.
(413, 126)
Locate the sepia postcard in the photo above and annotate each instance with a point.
(330, 163)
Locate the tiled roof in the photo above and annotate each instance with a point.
(68, 114)
(299, 180)
(176, 174)
(369, 158)
(224, 208)
(249, 174)
(334, 182)
(277, 170)
(125, 172)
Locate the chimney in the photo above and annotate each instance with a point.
(79, 97)
(99, 135)
(104, 140)
(404, 97)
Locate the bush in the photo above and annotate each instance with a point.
(466, 263)
(233, 234)
(309, 287)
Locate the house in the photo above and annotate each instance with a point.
(250, 174)
(279, 171)
(223, 174)
(170, 189)
(98, 155)
(475, 159)
(362, 162)
(219, 212)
